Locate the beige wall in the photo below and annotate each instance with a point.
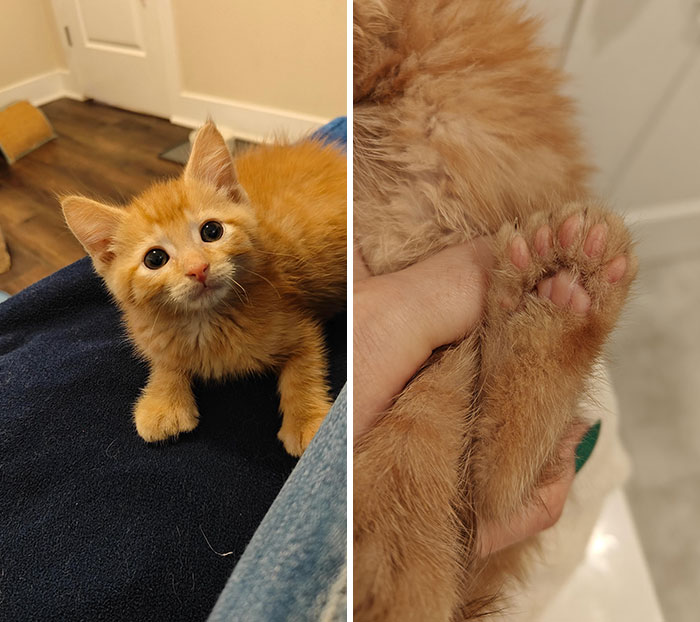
(283, 54)
(29, 43)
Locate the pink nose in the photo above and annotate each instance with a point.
(199, 272)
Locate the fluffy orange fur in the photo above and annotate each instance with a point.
(460, 131)
(4, 255)
(248, 301)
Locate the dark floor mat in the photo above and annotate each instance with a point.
(180, 153)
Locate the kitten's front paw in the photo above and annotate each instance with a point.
(579, 259)
(296, 436)
(158, 420)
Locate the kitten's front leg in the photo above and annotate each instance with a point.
(559, 285)
(304, 400)
(166, 406)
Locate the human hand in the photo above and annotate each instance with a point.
(400, 318)
(547, 506)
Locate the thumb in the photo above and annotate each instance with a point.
(400, 318)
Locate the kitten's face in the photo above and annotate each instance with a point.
(186, 244)
(183, 245)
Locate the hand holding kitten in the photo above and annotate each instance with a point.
(398, 322)
(397, 326)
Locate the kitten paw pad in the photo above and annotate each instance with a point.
(564, 291)
(543, 241)
(616, 269)
(578, 258)
(570, 230)
(520, 253)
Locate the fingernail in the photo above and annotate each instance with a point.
(585, 448)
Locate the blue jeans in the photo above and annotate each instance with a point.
(294, 568)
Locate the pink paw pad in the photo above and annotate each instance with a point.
(616, 269)
(543, 241)
(595, 240)
(569, 230)
(563, 290)
(519, 253)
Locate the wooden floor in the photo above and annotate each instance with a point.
(100, 151)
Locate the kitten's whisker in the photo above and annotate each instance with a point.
(159, 307)
(264, 279)
(236, 287)
(235, 282)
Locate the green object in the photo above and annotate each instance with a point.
(585, 448)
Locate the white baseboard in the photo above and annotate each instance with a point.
(240, 119)
(666, 231)
(244, 120)
(41, 89)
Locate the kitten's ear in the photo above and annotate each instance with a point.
(210, 162)
(94, 224)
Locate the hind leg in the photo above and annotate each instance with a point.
(559, 285)
(408, 547)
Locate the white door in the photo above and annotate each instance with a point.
(115, 51)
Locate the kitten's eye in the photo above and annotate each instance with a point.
(211, 231)
(156, 258)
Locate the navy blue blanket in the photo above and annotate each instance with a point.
(94, 523)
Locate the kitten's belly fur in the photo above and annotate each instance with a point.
(414, 202)
(458, 127)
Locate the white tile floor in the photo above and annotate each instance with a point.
(613, 582)
(656, 374)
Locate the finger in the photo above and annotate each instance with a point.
(546, 508)
(400, 318)
(541, 514)
(443, 295)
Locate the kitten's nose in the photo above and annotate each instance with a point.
(199, 272)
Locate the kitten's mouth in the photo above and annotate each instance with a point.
(204, 290)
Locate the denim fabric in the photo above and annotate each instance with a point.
(293, 570)
(334, 131)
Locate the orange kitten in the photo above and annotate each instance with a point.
(460, 131)
(227, 271)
